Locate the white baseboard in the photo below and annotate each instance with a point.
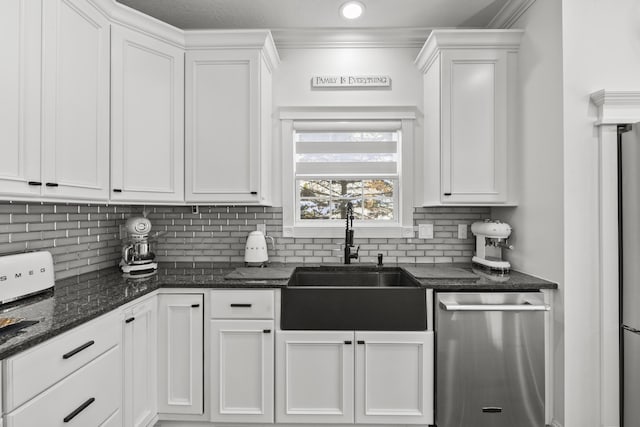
(555, 423)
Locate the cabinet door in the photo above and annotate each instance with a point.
(20, 33)
(140, 364)
(314, 381)
(90, 396)
(223, 126)
(394, 377)
(474, 125)
(147, 120)
(242, 371)
(75, 108)
(180, 354)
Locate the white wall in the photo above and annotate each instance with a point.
(593, 45)
(601, 44)
(292, 86)
(537, 160)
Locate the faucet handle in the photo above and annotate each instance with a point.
(355, 255)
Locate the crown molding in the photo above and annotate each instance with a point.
(466, 39)
(190, 39)
(350, 38)
(234, 39)
(140, 22)
(616, 107)
(510, 13)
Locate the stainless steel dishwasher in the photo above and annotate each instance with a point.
(490, 359)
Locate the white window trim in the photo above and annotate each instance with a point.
(404, 226)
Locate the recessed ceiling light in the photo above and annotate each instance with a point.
(352, 9)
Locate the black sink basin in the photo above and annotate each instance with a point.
(352, 277)
(368, 299)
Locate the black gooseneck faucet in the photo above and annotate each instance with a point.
(348, 238)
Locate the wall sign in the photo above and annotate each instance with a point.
(350, 81)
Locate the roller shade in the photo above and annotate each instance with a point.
(346, 149)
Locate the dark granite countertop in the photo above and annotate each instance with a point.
(79, 299)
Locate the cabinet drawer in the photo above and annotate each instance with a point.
(34, 370)
(88, 397)
(242, 304)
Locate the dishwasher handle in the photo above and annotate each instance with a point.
(454, 306)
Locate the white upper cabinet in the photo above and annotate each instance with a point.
(228, 118)
(147, 118)
(54, 83)
(75, 101)
(469, 97)
(20, 38)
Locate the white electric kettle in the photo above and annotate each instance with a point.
(255, 251)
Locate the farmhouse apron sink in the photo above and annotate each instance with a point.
(353, 298)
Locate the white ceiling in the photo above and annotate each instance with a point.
(319, 14)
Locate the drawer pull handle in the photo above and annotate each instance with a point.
(195, 305)
(240, 305)
(117, 190)
(78, 350)
(360, 342)
(447, 194)
(492, 409)
(266, 331)
(254, 193)
(79, 409)
(348, 342)
(130, 319)
(51, 184)
(35, 183)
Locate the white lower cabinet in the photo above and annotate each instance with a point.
(314, 377)
(89, 397)
(394, 377)
(242, 371)
(362, 377)
(242, 353)
(32, 371)
(139, 337)
(180, 354)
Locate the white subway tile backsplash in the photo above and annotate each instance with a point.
(84, 238)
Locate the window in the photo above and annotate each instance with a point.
(365, 162)
(358, 165)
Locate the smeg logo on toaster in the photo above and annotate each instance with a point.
(19, 275)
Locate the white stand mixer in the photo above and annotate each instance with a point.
(137, 259)
(491, 237)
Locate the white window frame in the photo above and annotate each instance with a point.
(403, 227)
